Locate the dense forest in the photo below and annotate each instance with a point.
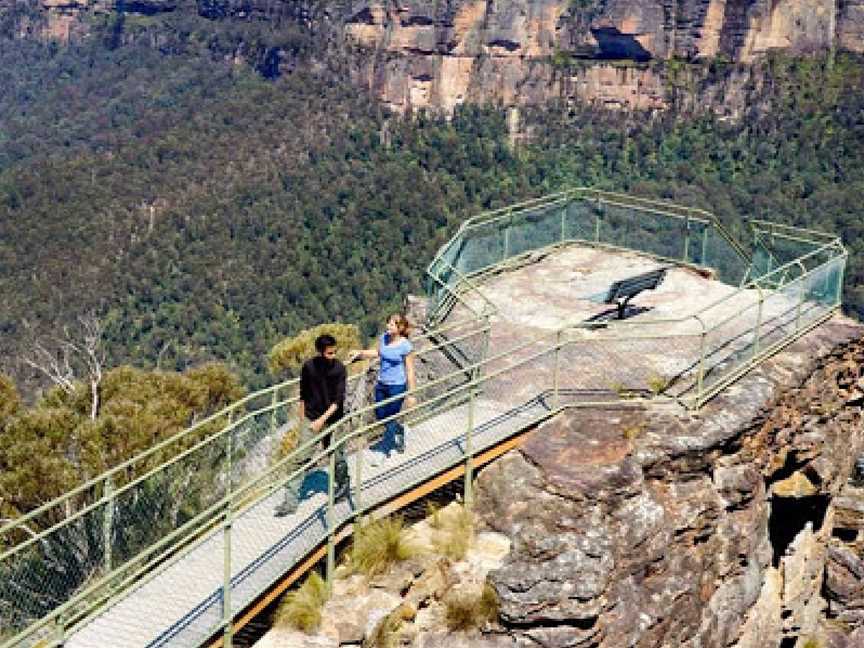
(206, 207)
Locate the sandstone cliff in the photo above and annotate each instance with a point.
(415, 54)
(515, 52)
(653, 528)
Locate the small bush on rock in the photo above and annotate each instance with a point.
(456, 525)
(380, 544)
(301, 609)
(469, 612)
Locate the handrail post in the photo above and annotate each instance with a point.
(107, 523)
(704, 259)
(564, 222)
(597, 219)
(358, 458)
(507, 236)
(686, 237)
(758, 322)
(273, 400)
(331, 516)
(556, 399)
(59, 632)
(469, 443)
(700, 378)
(801, 294)
(227, 615)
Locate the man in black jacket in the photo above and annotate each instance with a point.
(322, 404)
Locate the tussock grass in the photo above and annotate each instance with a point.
(380, 544)
(465, 612)
(301, 609)
(386, 633)
(456, 531)
(812, 643)
(657, 384)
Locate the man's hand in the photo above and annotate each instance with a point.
(317, 425)
(410, 402)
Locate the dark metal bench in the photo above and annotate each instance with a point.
(622, 291)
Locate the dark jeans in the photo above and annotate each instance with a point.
(294, 487)
(392, 429)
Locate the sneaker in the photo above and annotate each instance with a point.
(341, 491)
(285, 508)
(399, 441)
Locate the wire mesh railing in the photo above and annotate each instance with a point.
(68, 557)
(668, 232)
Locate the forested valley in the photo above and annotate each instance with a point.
(205, 208)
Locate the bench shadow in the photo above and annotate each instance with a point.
(611, 314)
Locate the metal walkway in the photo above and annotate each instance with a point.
(181, 606)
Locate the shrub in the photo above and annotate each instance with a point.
(288, 355)
(378, 545)
(657, 384)
(456, 527)
(301, 609)
(468, 612)
(385, 634)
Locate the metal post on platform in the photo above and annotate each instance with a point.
(469, 443)
(507, 236)
(331, 519)
(704, 259)
(360, 451)
(700, 377)
(556, 400)
(273, 400)
(59, 638)
(597, 219)
(107, 522)
(227, 613)
(758, 323)
(686, 238)
(564, 224)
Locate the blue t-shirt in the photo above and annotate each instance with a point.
(392, 370)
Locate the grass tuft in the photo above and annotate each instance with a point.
(386, 633)
(379, 544)
(657, 384)
(812, 643)
(301, 609)
(469, 612)
(456, 530)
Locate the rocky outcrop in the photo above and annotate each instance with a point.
(652, 527)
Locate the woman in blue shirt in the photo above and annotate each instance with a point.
(395, 377)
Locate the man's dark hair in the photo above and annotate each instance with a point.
(324, 341)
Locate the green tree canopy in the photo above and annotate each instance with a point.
(288, 355)
(54, 446)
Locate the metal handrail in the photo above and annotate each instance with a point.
(110, 473)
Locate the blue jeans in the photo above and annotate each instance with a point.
(392, 429)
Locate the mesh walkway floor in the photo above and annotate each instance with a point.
(182, 605)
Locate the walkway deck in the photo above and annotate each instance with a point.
(182, 605)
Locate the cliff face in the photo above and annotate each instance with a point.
(653, 528)
(420, 54)
(415, 54)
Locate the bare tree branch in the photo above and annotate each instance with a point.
(58, 358)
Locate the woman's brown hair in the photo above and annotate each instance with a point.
(402, 324)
